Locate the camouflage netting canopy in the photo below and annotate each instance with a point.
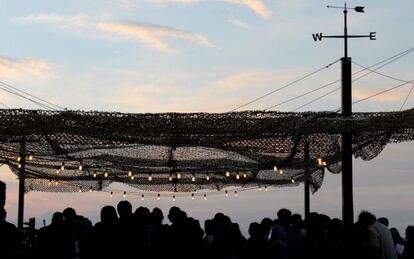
(185, 152)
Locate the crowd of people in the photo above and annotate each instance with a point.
(122, 233)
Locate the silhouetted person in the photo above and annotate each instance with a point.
(50, 238)
(257, 245)
(9, 236)
(380, 241)
(280, 231)
(384, 221)
(409, 245)
(398, 241)
(107, 233)
(127, 236)
(266, 225)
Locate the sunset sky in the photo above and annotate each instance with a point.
(212, 56)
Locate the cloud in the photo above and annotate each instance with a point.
(149, 35)
(391, 96)
(12, 68)
(238, 23)
(240, 81)
(175, 1)
(256, 6)
(77, 21)
(152, 36)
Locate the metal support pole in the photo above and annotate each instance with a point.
(307, 175)
(22, 178)
(347, 186)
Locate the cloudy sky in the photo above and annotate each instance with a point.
(207, 55)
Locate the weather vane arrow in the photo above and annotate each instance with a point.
(360, 9)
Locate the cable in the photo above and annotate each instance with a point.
(7, 107)
(406, 98)
(285, 86)
(387, 61)
(24, 97)
(38, 98)
(382, 92)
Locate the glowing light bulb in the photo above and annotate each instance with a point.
(18, 159)
(30, 157)
(275, 168)
(56, 182)
(227, 174)
(292, 180)
(19, 165)
(129, 174)
(80, 168)
(226, 193)
(106, 174)
(80, 189)
(132, 177)
(124, 194)
(192, 196)
(62, 167)
(235, 193)
(170, 178)
(178, 176)
(319, 160)
(94, 174)
(57, 171)
(208, 178)
(173, 197)
(244, 175)
(280, 171)
(205, 197)
(90, 189)
(159, 196)
(265, 188)
(150, 178)
(237, 176)
(323, 163)
(142, 197)
(50, 183)
(112, 194)
(193, 178)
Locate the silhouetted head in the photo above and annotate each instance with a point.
(142, 214)
(3, 214)
(409, 232)
(266, 225)
(283, 216)
(124, 209)
(335, 229)
(173, 214)
(384, 221)
(209, 227)
(396, 236)
(255, 231)
(296, 220)
(69, 215)
(366, 219)
(57, 218)
(157, 216)
(108, 214)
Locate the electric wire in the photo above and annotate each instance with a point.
(387, 62)
(31, 95)
(7, 107)
(406, 98)
(285, 86)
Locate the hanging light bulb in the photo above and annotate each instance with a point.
(90, 189)
(19, 165)
(292, 180)
(205, 197)
(129, 173)
(80, 168)
(227, 174)
(159, 196)
(56, 182)
(62, 167)
(192, 196)
(132, 177)
(260, 188)
(193, 178)
(265, 188)
(50, 183)
(208, 177)
(170, 177)
(244, 175)
(112, 194)
(124, 194)
(319, 160)
(142, 197)
(80, 188)
(323, 163)
(150, 177)
(106, 174)
(275, 168)
(94, 174)
(173, 197)
(235, 193)
(18, 159)
(237, 176)
(280, 171)
(30, 157)
(57, 171)
(178, 176)
(226, 193)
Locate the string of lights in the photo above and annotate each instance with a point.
(285, 86)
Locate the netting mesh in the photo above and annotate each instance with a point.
(187, 151)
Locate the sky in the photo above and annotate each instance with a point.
(210, 56)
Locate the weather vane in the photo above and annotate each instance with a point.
(358, 9)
